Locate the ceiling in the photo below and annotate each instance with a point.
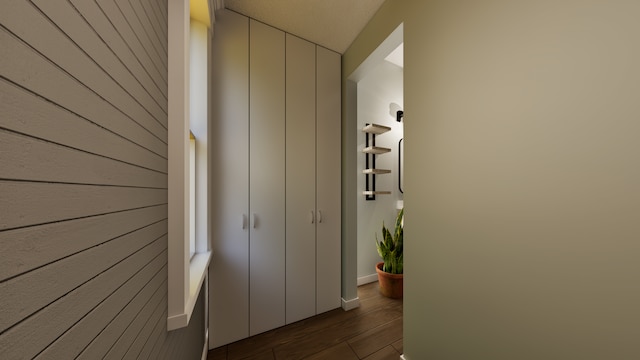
(333, 24)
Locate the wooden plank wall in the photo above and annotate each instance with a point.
(83, 182)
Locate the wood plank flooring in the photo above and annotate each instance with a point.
(371, 332)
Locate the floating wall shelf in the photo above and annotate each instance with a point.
(376, 171)
(375, 150)
(370, 152)
(375, 129)
(373, 193)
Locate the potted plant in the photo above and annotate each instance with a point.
(390, 250)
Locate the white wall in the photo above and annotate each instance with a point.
(381, 87)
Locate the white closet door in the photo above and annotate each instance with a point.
(229, 270)
(301, 179)
(267, 177)
(328, 180)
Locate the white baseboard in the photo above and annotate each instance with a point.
(350, 304)
(402, 357)
(367, 279)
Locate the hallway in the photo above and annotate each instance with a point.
(371, 332)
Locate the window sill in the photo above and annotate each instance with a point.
(197, 272)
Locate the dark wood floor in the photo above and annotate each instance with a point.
(371, 332)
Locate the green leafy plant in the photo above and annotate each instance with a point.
(390, 248)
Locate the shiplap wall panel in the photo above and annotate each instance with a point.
(25, 112)
(155, 35)
(32, 71)
(37, 203)
(150, 42)
(101, 344)
(183, 346)
(144, 283)
(159, 328)
(116, 17)
(26, 158)
(166, 349)
(83, 177)
(126, 339)
(156, 19)
(145, 332)
(191, 349)
(164, 13)
(29, 24)
(114, 41)
(28, 248)
(35, 333)
(80, 32)
(20, 295)
(156, 348)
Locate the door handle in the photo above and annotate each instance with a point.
(311, 217)
(255, 220)
(319, 216)
(243, 221)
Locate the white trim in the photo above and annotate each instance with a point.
(178, 113)
(185, 274)
(350, 304)
(367, 279)
(192, 195)
(197, 271)
(205, 347)
(402, 357)
(198, 125)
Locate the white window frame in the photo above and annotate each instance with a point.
(186, 274)
(192, 195)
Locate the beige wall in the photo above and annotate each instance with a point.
(522, 177)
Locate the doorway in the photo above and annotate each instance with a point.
(374, 94)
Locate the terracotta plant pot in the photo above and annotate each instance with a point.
(390, 284)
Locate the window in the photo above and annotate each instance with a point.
(189, 253)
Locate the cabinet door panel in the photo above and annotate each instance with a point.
(267, 177)
(301, 179)
(328, 180)
(229, 270)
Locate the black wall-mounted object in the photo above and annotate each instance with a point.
(399, 115)
(370, 162)
(400, 161)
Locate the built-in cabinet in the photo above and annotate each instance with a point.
(266, 177)
(229, 268)
(276, 186)
(328, 183)
(313, 179)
